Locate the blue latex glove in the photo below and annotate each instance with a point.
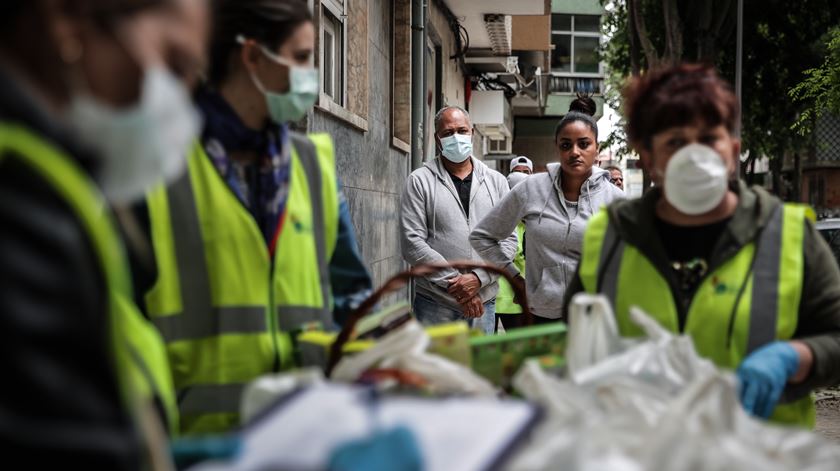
(386, 450)
(188, 451)
(763, 376)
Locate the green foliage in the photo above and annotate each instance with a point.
(820, 90)
(783, 44)
(781, 41)
(616, 54)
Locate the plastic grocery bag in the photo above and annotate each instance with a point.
(650, 404)
(265, 390)
(405, 349)
(593, 333)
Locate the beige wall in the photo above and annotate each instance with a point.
(452, 77)
(531, 33)
(371, 169)
(401, 72)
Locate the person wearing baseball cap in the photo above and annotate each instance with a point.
(522, 164)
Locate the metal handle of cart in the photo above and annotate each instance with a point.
(401, 279)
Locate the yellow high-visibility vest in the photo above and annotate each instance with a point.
(139, 354)
(748, 301)
(504, 299)
(222, 304)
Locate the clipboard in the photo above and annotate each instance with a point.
(299, 432)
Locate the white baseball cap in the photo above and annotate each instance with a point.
(521, 160)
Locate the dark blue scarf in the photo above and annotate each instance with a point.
(262, 186)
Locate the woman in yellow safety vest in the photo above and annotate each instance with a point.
(91, 113)
(255, 240)
(747, 277)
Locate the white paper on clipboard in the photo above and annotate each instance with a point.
(458, 433)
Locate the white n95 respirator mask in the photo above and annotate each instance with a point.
(696, 180)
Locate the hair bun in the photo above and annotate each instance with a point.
(584, 103)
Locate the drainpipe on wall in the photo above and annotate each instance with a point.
(418, 80)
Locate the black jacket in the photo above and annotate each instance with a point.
(59, 404)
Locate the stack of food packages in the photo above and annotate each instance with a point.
(496, 358)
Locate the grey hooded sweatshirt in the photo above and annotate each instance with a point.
(554, 233)
(435, 227)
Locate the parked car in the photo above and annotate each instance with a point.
(830, 230)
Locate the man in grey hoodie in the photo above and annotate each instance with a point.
(442, 203)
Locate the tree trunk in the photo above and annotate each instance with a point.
(651, 56)
(716, 34)
(702, 14)
(728, 22)
(673, 33)
(776, 162)
(633, 37)
(796, 184)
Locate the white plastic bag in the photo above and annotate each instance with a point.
(651, 404)
(593, 333)
(263, 391)
(405, 349)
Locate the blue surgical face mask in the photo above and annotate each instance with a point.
(303, 90)
(457, 147)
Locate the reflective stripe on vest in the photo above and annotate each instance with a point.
(292, 317)
(217, 301)
(746, 302)
(140, 358)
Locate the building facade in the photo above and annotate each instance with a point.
(369, 74)
(574, 68)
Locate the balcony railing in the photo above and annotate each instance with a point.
(591, 85)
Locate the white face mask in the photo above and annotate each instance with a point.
(696, 180)
(142, 145)
(516, 178)
(457, 147)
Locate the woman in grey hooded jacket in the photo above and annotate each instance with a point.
(555, 207)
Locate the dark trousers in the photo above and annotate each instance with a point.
(515, 321)
(509, 321)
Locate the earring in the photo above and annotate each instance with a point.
(71, 51)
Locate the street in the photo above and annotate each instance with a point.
(828, 413)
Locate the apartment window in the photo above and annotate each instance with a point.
(401, 75)
(576, 39)
(434, 96)
(333, 64)
(343, 60)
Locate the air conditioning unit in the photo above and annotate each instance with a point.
(493, 64)
(491, 114)
(498, 146)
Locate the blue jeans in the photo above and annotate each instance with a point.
(429, 312)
